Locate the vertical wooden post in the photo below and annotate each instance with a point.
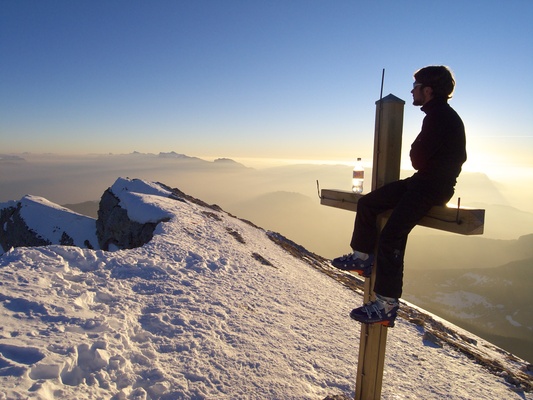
(385, 169)
(387, 141)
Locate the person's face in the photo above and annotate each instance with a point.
(421, 94)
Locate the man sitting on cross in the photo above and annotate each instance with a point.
(437, 155)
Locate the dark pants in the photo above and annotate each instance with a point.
(410, 200)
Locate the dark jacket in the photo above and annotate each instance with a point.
(439, 150)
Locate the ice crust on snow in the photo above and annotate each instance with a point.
(196, 313)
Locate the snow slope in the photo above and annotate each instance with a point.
(210, 308)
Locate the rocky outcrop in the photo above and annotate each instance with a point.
(115, 230)
(35, 221)
(15, 232)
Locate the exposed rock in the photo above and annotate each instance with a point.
(112, 230)
(15, 232)
(115, 228)
(429, 337)
(34, 221)
(417, 321)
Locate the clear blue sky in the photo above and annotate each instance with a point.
(277, 79)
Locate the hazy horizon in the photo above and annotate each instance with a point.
(281, 197)
(513, 183)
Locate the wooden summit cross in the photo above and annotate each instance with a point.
(386, 168)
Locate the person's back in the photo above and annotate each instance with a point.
(438, 152)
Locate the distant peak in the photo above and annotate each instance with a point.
(10, 158)
(173, 154)
(229, 162)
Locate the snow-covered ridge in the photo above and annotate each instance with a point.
(45, 216)
(51, 223)
(214, 307)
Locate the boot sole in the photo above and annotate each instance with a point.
(360, 272)
(385, 323)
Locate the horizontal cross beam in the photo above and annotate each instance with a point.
(464, 221)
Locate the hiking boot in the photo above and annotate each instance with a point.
(353, 262)
(378, 311)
